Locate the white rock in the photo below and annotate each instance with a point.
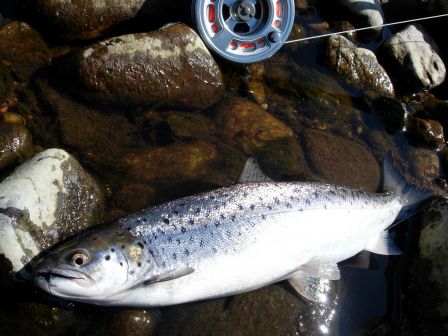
(35, 199)
(415, 53)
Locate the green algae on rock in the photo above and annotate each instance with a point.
(170, 67)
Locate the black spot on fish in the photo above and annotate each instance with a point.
(252, 206)
(288, 205)
(170, 239)
(222, 216)
(217, 224)
(229, 233)
(174, 256)
(123, 246)
(276, 200)
(107, 257)
(187, 252)
(245, 194)
(151, 252)
(214, 250)
(174, 227)
(175, 212)
(164, 264)
(191, 239)
(201, 243)
(240, 206)
(154, 236)
(233, 218)
(263, 217)
(178, 241)
(269, 207)
(139, 264)
(121, 264)
(197, 211)
(212, 197)
(183, 230)
(166, 220)
(205, 226)
(191, 221)
(128, 228)
(144, 220)
(112, 250)
(131, 272)
(140, 245)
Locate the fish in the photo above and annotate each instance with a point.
(227, 241)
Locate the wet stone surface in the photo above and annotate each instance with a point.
(23, 48)
(170, 67)
(358, 66)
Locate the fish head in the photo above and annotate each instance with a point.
(93, 267)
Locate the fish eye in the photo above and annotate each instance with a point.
(79, 258)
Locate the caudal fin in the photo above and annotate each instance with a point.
(411, 197)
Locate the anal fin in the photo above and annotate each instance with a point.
(383, 245)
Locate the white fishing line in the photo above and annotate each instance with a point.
(367, 28)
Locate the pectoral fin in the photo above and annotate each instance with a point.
(311, 287)
(174, 274)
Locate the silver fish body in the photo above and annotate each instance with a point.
(219, 243)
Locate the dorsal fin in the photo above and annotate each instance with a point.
(252, 173)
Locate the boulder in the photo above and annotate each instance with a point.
(411, 58)
(367, 13)
(170, 67)
(357, 66)
(23, 49)
(46, 199)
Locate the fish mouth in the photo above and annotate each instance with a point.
(69, 274)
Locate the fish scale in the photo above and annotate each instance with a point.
(225, 242)
(189, 230)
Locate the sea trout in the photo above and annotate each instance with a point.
(224, 242)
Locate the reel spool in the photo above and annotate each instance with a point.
(244, 31)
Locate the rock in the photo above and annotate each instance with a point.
(23, 49)
(427, 132)
(411, 58)
(301, 5)
(188, 126)
(83, 18)
(174, 163)
(43, 201)
(6, 83)
(248, 126)
(425, 291)
(170, 67)
(437, 7)
(132, 323)
(254, 83)
(16, 144)
(134, 196)
(367, 13)
(278, 310)
(340, 161)
(392, 111)
(358, 66)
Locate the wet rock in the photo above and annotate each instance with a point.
(173, 163)
(100, 135)
(43, 201)
(283, 159)
(427, 132)
(367, 13)
(437, 7)
(340, 161)
(16, 144)
(391, 110)
(133, 323)
(170, 67)
(411, 58)
(6, 83)
(301, 5)
(279, 312)
(23, 49)
(255, 85)
(82, 18)
(426, 280)
(188, 126)
(248, 126)
(134, 196)
(358, 66)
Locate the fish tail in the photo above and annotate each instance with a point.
(411, 197)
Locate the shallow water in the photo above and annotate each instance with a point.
(300, 91)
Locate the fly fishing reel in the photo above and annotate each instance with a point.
(244, 31)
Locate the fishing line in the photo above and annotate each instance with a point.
(366, 28)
